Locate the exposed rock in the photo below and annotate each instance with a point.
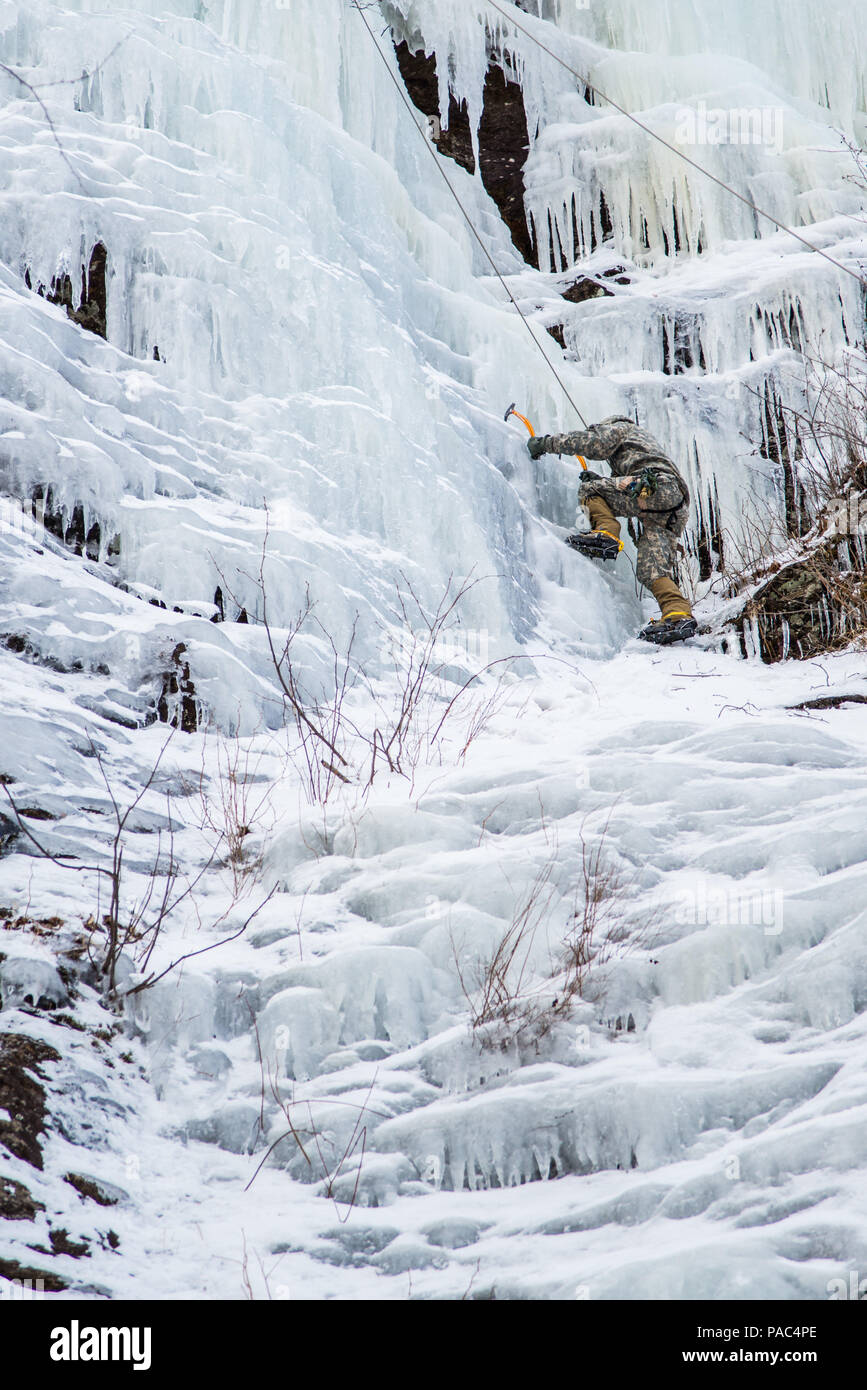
(504, 141)
(781, 445)
(70, 526)
(682, 348)
(556, 331)
(9, 832)
(419, 73)
(831, 702)
(708, 543)
(93, 308)
(504, 145)
(62, 1245)
(22, 1097)
(25, 1274)
(584, 288)
(177, 704)
(105, 1194)
(16, 1203)
(809, 606)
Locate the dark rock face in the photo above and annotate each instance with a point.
(70, 526)
(503, 137)
(177, 704)
(16, 1203)
(92, 311)
(22, 1096)
(420, 77)
(709, 543)
(789, 601)
(9, 832)
(29, 984)
(61, 1244)
(105, 1194)
(25, 1274)
(557, 333)
(584, 288)
(94, 306)
(504, 144)
(780, 445)
(810, 606)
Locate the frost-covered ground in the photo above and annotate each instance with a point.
(331, 343)
(710, 1146)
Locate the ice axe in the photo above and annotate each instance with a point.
(525, 421)
(519, 416)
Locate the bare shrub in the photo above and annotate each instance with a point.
(403, 734)
(327, 1161)
(508, 1007)
(831, 427)
(808, 592)
(500, 994)
(398, 733)
(236, 803)
(132, 925)
(595, 929)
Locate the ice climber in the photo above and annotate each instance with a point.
(646, 485)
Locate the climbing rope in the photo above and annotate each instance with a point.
(591, 86)
(488, 257)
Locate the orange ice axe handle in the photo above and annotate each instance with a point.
(525, 421)
(522, 418)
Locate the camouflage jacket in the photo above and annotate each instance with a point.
(627, 447)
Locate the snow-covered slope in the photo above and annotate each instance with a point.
(334, 359)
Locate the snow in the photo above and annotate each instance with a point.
(305, 1105)
(32, 982)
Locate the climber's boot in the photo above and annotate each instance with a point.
(597, 544)
(603, 542)
(675, 623)
(664, 631)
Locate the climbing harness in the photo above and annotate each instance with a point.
(643, 484)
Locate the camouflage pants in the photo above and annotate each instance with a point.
(657, 545)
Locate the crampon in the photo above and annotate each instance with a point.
(664, 631)
(597, 544)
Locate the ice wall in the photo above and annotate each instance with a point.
(721, 303)
(329, 336)
(326, 338)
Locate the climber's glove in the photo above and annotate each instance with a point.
(538, 445)
(588, 476)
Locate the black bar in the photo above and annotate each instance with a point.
(635, 1338)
